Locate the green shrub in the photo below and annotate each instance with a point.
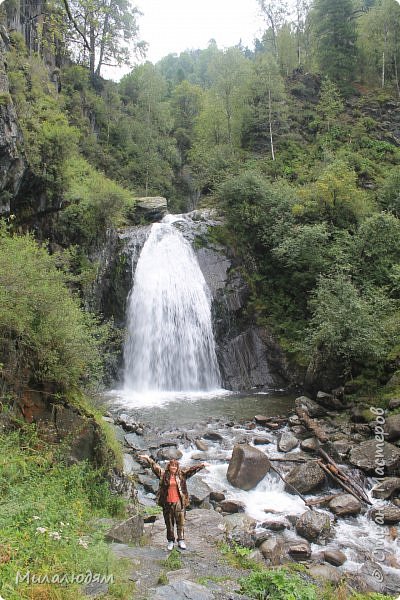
(277, 584)
(44, 335)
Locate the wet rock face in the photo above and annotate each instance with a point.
(247, 467)
(12, 161)
(151, 209)
(344, 505)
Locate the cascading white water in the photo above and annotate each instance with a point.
(170, 344)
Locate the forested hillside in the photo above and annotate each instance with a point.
(295, 142)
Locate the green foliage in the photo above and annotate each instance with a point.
(277, 584)
(94, 203)
(44, 334)
(174, 561)
(335, 37)
(49, 522)
(350, 326)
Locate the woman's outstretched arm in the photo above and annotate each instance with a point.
(157, 470)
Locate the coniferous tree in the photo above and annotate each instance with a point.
(335, 39)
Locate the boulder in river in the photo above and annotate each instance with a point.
(273, 550)
(386, 488)
(335, 557)
(345, 505)
(287, 442)
(365, 456)
(388, 514)
(247, 467)
(305, 478)
(313, 525)
(299, 549)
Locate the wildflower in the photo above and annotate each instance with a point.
(41, 529)
(83, 543)
(55, 535)
(35, 518)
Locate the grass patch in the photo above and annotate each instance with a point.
(237, 556)
(49, 513)
(174, 561)
(277, 584)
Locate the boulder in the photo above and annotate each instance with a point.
(325, 572)
(200, 445)
(394, 403)
(386, 488)
(313, 525)
(247, 467)
(299, 549)
(151, 209)
(130, 530)
(213, 436)
(305, 478)
(128, 423)
(150, 484)
(273, 550)
(239, 522)
(392, 428)
(134, 441)
(364, 456)
(169, 453)
(276, 525)
(313, 408)
(261, 419)
(329, 401)
(342, 447)
(287, 442)
(198, 490)
(217, 496)
(232, 506)
(181, 590)
(261, 441)
(344, 505)
(309, 445)
(389, 514)
(335, 557)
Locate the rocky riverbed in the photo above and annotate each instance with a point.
(249, 493)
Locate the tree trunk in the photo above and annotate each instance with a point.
(270, 124)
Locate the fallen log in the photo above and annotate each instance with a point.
(336, 470)
(323, 500)
(291, 459)
(342, 484)
(311, 424)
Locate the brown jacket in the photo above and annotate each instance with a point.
(181, 476)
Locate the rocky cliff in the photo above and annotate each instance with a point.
(13, 165)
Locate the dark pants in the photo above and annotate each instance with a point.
(174, 514)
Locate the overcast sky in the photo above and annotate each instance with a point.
(176, 25)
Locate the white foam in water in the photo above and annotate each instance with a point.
(170, 343)
(132, 399)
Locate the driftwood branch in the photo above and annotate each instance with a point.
(336, 471)
(291, 486)
(311, 424)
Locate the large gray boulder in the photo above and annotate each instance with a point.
(386, 514)
(345, 505)
(305, 478)
(313, 408)
(392, 428)
(181, 590)
(198, 490)
(287, 442)
(386, 488)
(151, 208)
(247, 467)
(130, 530)
(365, 455)
(313, 525)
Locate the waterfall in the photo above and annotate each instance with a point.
(170, 343)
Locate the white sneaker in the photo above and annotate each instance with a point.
(170, 546)
(182, 545)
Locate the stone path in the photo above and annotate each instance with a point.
(202, 560)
